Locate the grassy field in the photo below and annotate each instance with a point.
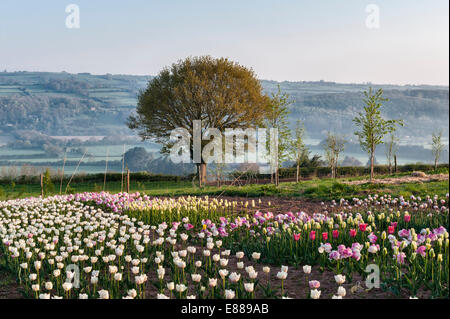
(316, 189)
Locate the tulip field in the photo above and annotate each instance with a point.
(126, 246)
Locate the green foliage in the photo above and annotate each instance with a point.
(70, 190)
(47, 183)
(373, 127)
(221, 93)
(296, 145)
(334, 146)
(277, 117)
(437, 146)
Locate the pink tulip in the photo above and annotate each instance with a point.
(362, 227)
(314, 284)
(335, 234)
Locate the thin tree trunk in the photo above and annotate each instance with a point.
(372, 155)
(62, 175)
(42, 185)
(435, 164)
(298, 171)
(277, 177)
(395, 163)
(202, 174)
(217, 176)
(128, 181)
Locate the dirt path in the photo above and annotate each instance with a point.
(401, 180)
(9, 289)
(279, 205)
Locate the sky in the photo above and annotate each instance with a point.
(282, 40)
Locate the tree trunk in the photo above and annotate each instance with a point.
(218, 177)
(277, 177)
(42, 185)
(395, 163)
(298, 171)
(435, 164)
(372, 160)
(128, 181)
(202, 174)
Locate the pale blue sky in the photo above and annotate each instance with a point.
(290, 40)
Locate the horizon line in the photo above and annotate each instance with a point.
(268, 80)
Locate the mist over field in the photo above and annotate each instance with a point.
(43, 115)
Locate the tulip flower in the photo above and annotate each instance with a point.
(315, 294)
(335, 234)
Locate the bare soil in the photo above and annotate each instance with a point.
(295, 286)
(9, 289)
(402, 180)
(279, 205)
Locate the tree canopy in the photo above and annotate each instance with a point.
(219, 92)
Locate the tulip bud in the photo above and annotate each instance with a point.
(432, 254)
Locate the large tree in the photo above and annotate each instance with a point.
(372, 126)
(219, 92)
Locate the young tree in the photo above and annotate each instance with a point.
(437, 147)
(372, 126)
(219, 92)
(334, 146)
(47, 182)
(297, 147)
(391, 150)
(276, 117)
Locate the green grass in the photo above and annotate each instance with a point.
(316, 189)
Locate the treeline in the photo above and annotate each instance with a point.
(350, 171)
(285, 173)
(67, 86)
(96, 178)
(53, 115)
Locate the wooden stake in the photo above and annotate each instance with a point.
(395, 163)
(128, 181)
(123, 163)
(76, 169)
(42, 185)
(106, 168)
(62, 174)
